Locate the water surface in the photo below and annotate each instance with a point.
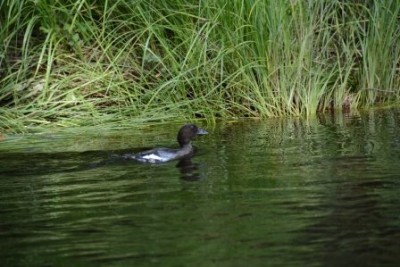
(278, 192)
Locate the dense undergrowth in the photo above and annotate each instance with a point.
(75, 63)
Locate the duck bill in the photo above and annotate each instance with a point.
(201, 131)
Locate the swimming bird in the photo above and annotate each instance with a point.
(159, 155)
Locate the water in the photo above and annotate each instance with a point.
(289, 192)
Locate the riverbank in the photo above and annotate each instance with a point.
(82, 64)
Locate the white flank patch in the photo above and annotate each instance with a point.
(153, 157)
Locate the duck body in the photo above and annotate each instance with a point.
(159, 155)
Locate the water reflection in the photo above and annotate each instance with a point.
(189, 170)
(280, 192)
(359, 225)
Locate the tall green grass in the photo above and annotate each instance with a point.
(72, 63)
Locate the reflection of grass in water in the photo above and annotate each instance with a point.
(83, 64)
(105, 138)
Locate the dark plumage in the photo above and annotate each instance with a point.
(158, 155)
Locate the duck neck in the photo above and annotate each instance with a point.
(185, 150)
(186, 147)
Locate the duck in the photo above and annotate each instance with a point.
(160, 155)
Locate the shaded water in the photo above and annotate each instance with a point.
(288, 192)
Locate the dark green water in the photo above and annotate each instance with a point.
(324, 192)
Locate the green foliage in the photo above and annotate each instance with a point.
(88, 62)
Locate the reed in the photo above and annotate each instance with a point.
(80, 63)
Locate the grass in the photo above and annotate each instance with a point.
(80, 63)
